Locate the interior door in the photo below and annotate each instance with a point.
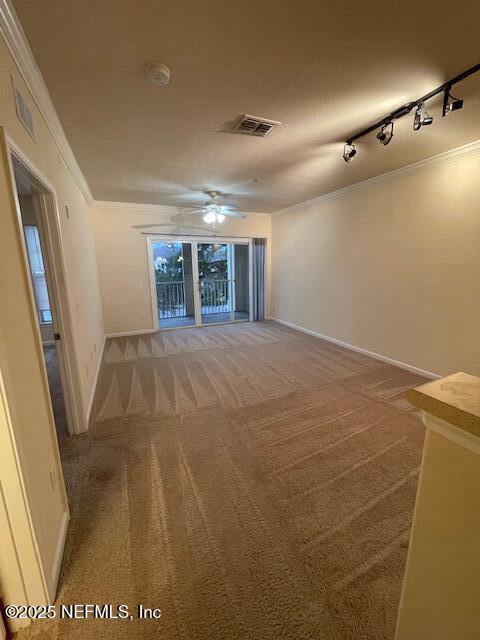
(3, 631)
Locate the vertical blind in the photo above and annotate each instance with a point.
(258, 248)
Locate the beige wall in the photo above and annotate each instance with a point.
(122, 257)
(21, 361)
(393, 268)
(441, 591)
(79, 254)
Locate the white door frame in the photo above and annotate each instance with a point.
(54, 252)
(194, 241)
(24, 574)
(3, 631)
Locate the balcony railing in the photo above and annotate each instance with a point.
(214, 298)
(171, 299)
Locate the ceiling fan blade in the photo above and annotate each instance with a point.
(234, 214)
(148, 226)
(192, 206)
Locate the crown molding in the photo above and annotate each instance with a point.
(465, 151)
(134, 207)
(17, 43)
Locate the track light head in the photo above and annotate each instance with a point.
(349, 152)
(422, 118)
(384, 136)
(450, 103)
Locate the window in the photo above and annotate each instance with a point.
(37, 270)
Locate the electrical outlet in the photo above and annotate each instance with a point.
(142, 316)
(67, 212)
(94, 348)
(86, 370)
(353, 325)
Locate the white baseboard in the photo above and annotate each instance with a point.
(122, 334)
(372, 354)
(57, 561)
(95, 380)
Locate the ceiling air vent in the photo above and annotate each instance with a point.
(23, 111)
(254, 126)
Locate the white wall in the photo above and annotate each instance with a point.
(393, 268)
(79, 252)
(31, 431)
(122, 256)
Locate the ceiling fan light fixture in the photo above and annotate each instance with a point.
(210, 217)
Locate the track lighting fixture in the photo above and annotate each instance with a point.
(349, 152)
(385, 135)
(422, 118)
(450, 103)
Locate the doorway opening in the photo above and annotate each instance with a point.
(197, 282)
(33, 197)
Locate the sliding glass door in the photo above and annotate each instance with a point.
(215, 282)
(241, 278)
(200, 282)
(224, 279)
(174, 290)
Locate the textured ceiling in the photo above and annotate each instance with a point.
(324, 69)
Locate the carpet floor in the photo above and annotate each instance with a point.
(252, 482)
(56, 391)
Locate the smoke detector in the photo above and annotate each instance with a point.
(158, 73)
(255, 126)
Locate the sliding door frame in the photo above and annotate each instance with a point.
(194, 241)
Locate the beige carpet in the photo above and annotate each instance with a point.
(253, 482)
(56, 391)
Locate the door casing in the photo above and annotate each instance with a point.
(27, 575)
(52, 245)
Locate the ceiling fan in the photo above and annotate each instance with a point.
(214, 212)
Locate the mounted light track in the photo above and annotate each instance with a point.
(422, 118)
